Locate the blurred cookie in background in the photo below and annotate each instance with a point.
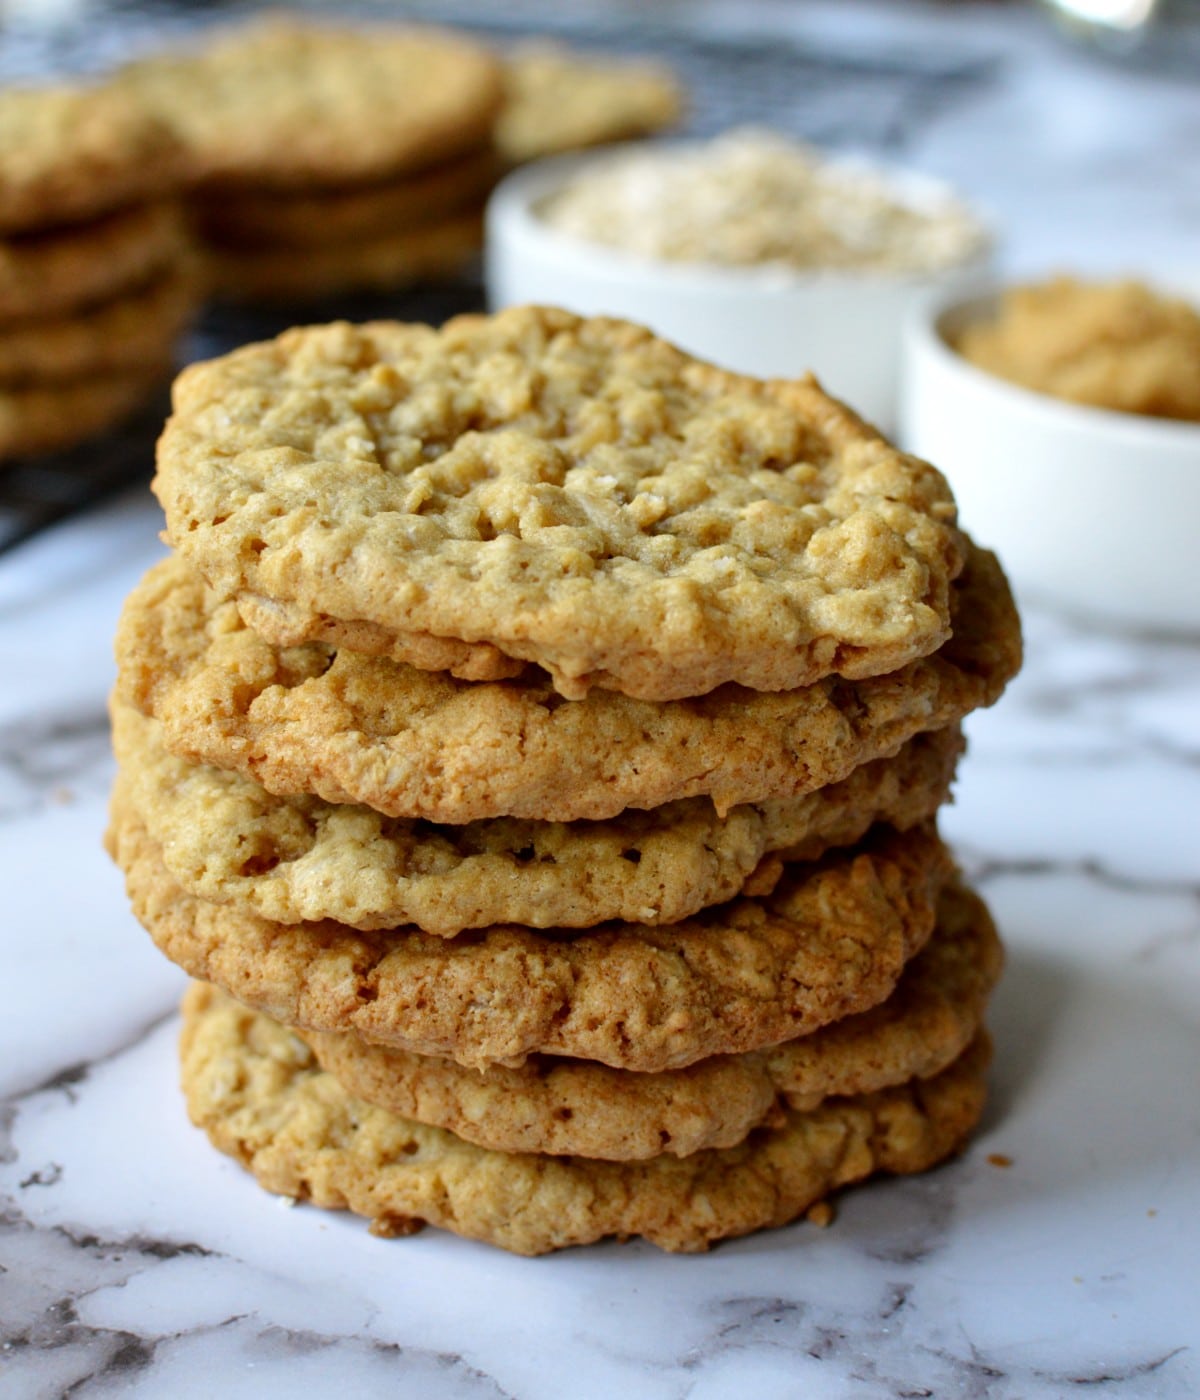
(63, 268)
(96, 277)
(68, 154)
(327, 159)
(36, 418)
(286, 104)
(558, 99)
(284, 273)
(320, 218)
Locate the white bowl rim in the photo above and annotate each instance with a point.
(924, 326)
(512, 204)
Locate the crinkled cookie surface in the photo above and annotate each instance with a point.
(69, 153)
(574, 492)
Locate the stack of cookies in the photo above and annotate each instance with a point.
(95, 281)
(533, 748)
(326, 159)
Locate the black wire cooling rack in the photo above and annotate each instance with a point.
(863, 94)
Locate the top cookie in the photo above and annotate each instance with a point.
(286, 103)
(572, 492)
(71, 153)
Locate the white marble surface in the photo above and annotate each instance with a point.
(134, 1261)
(138, 1262)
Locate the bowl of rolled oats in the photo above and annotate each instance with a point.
(751, 249)
(1066, 413)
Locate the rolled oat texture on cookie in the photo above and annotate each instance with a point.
(412, 743)
(569, 492)
(570, 1107)
(829, 940)
(226, 839)
(533, 745)
(257, 1093)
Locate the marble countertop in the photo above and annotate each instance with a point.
(135, 1261)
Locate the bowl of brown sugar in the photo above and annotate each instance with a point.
(1066, 414)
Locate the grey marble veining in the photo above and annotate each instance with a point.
(47, 761)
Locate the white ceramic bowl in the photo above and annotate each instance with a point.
(1092, 511)
(765, 321)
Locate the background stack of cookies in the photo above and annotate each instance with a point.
(534, 745)
(96, 285)
(328, 158)
(280, 161)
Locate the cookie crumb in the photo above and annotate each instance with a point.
(819, 1214)
(999, 1159)
(394, 1227)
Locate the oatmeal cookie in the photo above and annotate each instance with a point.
(71, 153)
(258, 1094)
(46, 418)
(287, 103)
(286, 625)
(413, 743)
(225, 839)
(136, 328)
(575, 1108)
(830, 939)
(341, 214)
(302, 274)
(575, 492)
(60, 270)
(559, 100)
